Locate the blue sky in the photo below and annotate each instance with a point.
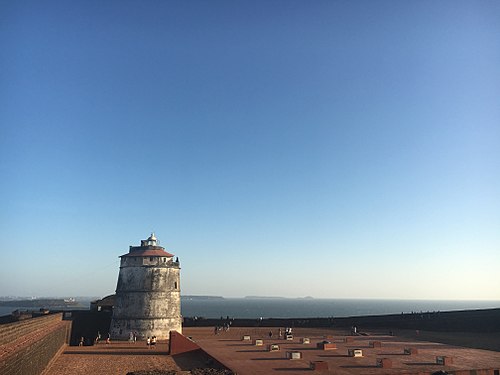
(293, 148)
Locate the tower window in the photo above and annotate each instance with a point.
(175, 285)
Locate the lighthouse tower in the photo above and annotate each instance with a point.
(147, 298)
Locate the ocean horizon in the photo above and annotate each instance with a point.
(319, 308)
(250, 308)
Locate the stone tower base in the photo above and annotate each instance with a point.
(160, 327)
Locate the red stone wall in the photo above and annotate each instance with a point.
(29, 346)
(12, 331)
(178, 344)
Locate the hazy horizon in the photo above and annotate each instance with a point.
(27, 298)
(292, 148)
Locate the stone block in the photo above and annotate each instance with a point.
(294, 355)
(289, 337)
(305, 340)
(326, 345)
(354, 352)
(246, 338)
(318, 365)
(375, 344)
(258, 342)
(384, 362)
(410, 351)
(443, 360)
(273, 348)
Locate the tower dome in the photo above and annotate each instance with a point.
(152, 241)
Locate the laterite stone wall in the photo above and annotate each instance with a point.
(27, 347)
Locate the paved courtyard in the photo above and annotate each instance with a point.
(116, 358)
(245, 358)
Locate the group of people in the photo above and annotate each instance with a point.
(288, 331)
(224, 327)
(97, 339)
(151, 342)
(132, 337)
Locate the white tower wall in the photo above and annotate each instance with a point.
(147, 294)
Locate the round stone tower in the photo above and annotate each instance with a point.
(148, 298)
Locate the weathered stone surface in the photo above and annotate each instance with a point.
(147, 294)
(196, 371)
(211, 371)
(153, 372)
(34, 344)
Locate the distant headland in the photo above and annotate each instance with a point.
(45, 302)
(201, 298)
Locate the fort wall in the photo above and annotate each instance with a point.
(27, 347)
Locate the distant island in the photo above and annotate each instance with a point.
(42, 302)
(276, 297)
(263, 297)
(201, 298)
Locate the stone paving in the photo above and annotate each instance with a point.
(245, 358)
(111, 359)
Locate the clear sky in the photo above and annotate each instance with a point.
(324, 148)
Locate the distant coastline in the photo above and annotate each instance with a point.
(264, 297)
(43, 302)
(252, 307)
(276, 297)
(201, 298)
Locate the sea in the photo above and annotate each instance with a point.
(319, 308)
(251, 308)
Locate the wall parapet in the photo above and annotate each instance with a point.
(9, 332)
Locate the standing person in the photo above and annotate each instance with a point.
(108, 339)
(270, 335)
(148, 342)
(135, 337)
(280, 333)
(153, 342)
(81, 341)
(131, 337)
